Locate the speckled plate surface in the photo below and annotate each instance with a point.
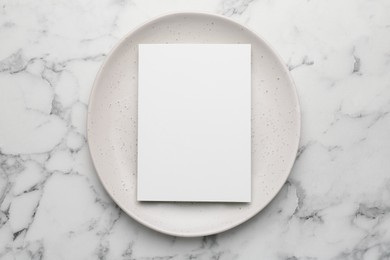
(112, 125)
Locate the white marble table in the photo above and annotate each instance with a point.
(336, 203)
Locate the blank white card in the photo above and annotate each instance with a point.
(194, 122)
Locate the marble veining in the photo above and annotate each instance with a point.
(336, 203)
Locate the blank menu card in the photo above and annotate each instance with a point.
(194, 122)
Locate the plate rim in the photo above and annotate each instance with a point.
(94, 89)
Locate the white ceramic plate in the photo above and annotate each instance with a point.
(112, 125)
